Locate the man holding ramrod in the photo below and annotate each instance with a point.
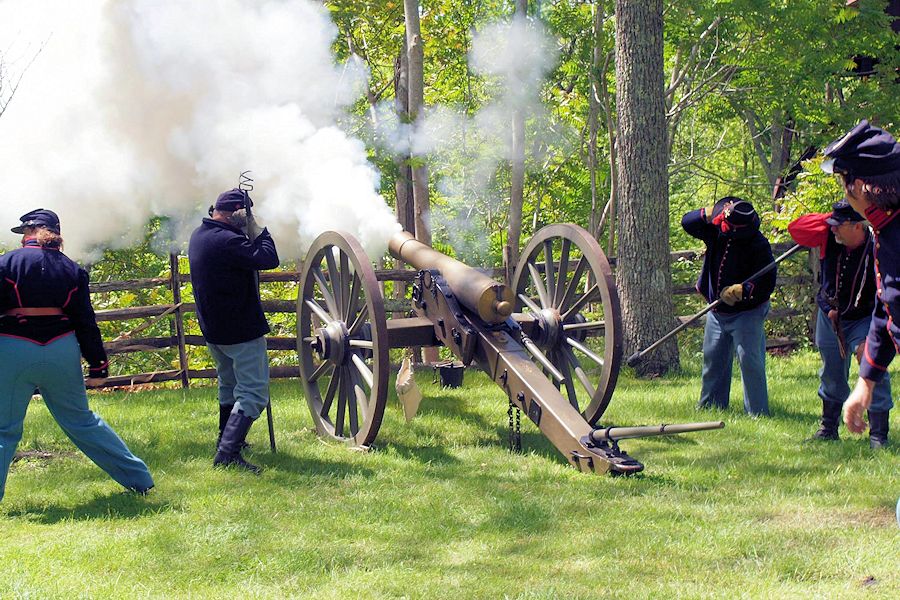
(846, 299)
(225, 253)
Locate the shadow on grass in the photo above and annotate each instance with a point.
(431, 455)
(116, 505)
(450, 406)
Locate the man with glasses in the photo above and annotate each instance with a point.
(846, 299)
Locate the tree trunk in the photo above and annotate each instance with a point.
(403, 189)
(594, 117)
(415, 54)
(403, 184)
(643, 274)
(416, 58)
(517, 173)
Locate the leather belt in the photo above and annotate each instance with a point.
(43, 311)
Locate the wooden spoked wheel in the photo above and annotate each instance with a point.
(564, 282)
(342, 340)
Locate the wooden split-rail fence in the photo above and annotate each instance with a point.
(177, 309)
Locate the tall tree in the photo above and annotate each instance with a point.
(416, 83)
(403, 187)
(643, 273)
(517, 172)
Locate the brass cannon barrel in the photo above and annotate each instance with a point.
(491, 300)
(612, 434)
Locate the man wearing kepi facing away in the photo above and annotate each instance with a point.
(867, 161)
(846, 298)
(225, 253)
(46, 325)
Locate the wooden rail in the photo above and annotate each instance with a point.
(179, 339)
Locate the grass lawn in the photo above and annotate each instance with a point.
(440, 508)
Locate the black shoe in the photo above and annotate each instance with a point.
(878, 429)
(224, 413)
(229, 452)
(831, 417)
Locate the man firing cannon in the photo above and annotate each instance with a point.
(225, 253)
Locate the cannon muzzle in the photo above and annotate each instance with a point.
(614, 434)
(491, 300)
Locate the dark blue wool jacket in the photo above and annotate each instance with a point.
(35, 276)
(224, 263)
(884, 333)
(731, 258)
(846, 277)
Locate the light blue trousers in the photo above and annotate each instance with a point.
(726, 333)
(243, 373)
(55, 369)
(835, 370)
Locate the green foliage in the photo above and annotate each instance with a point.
(816, 191)
(440, 508)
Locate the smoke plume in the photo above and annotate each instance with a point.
(465, 151)
(136, 108)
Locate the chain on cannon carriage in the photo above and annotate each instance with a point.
(551, 339)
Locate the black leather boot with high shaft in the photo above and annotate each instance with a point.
(831, 417)
(878, 429)
(233, 436)
(224, 413)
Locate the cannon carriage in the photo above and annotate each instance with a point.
(552, 339)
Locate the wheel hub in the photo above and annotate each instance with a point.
(332, 342)
(549, 329)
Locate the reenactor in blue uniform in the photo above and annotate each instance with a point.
(846, 298)
(224, 263)
(46, 325)
(867, 161)
(735, 250)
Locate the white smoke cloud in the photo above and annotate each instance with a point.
(137, 108)
(465, 151)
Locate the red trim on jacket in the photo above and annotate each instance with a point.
(879, 218)
(871, 362)
(18, 337)
(69, 297)
(16, 290)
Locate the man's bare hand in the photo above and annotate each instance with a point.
(857, 403)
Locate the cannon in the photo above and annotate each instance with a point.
(551, 339)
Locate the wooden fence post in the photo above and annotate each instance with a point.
(179, 319)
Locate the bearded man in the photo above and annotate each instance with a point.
(846, 299)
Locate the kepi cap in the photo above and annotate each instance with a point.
(732, 213)
(232, 200)
(39, 217)
(863, 151)
(842, 213)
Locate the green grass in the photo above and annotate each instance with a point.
(440, 509)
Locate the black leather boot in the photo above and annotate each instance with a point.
(831, 416)
(224, 412)
(233, 435)
(878, 429)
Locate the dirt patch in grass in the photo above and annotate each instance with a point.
(870, 517)
(40, 455)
